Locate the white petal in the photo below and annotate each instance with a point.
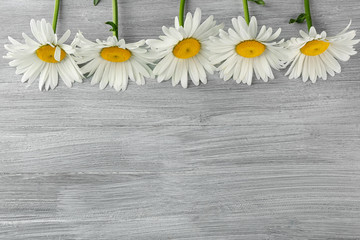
(184, 75)
(57, 54)
(64, 37)
(253, 27)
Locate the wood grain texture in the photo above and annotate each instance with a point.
(277, 160)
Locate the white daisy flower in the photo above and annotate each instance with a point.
(183, 50)
(243, 50)
(113, 62)
(47, 57)
(315, 55)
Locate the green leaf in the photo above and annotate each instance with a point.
(113, 25)
(300, 19)
(260, 2)
(96, 2)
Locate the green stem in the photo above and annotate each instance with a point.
(56, 14)
(181, 12)
(115, 18)
(308, 14)
(246, 11)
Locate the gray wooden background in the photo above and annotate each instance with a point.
(277, 160)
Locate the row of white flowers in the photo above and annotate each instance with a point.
(182, 53)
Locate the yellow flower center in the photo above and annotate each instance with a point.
(47, 52)
(314, 47)
(250, 48)
(187, 48)
(115, 54)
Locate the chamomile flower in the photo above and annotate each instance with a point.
(243, 51)
(316, 55)
(113, 62)
(184, 50)
(46, 58)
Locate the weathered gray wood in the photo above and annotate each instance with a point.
(277, 160)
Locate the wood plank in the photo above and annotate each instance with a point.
(277, 160)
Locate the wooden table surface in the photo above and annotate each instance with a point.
(277, 160)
